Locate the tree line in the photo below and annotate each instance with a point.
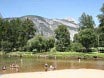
(19, 35)
(15, 33)
(88, 35)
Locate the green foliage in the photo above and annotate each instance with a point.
(76, 38)
(101, 40)
(40, 44)
(15, 33)
(102, 8)
(86, 21)
(76, 47)
(87, 38)
(86, 35)
(53, 50)
(50, 42)
(101, 16)
(29, 29)
(101, 28)
(101, 49)
(62, 36)
(6, 46)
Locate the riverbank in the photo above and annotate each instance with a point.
(68, 73)
(65, 55)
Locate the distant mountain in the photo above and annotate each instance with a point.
(47, 26)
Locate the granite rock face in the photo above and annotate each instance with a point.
(46, 27)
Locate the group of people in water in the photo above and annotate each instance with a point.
(16, 67)
(12, 66)
(47, 67)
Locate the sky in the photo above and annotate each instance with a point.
(51, 8)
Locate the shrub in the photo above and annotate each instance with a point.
(53, 50)
(76, 47)
(101, 49)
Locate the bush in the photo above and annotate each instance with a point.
(93, 49)
(101, 49)
(53, 50)
(76, 47)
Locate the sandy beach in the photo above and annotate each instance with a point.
(67, 73)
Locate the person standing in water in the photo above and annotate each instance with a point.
(46, 67)
(4, 68)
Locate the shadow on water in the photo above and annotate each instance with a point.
(37, 64)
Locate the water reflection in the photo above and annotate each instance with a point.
(37, 64)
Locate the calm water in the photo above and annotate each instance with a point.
(37, 64)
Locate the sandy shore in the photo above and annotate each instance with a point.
(68, 73)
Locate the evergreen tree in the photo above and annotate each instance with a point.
(86, 21)
(15, 33)
(101, 28)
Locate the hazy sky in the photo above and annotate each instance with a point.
(50, 8)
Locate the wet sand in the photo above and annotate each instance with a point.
(67, 73)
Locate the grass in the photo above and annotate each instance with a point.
(72, 55)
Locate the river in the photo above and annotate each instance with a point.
(34, 64)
